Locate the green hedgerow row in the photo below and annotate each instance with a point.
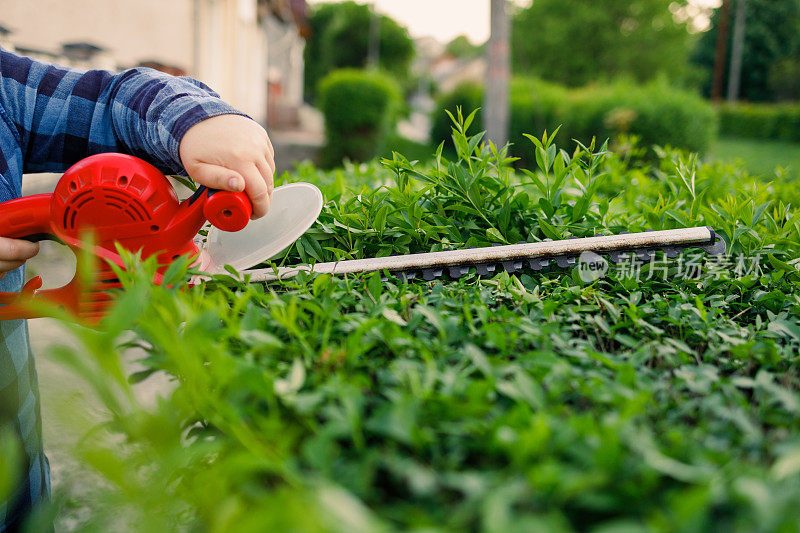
(656, 113)
(761, 121)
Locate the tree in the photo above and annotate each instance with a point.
(340, 35)
(771, 43)
(462, 47)
(575, 42)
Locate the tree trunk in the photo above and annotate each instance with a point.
(721, 50)
(737, 51)
(374, 45)
(496, 101)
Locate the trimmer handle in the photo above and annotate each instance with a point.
(29, 219)
(229, 211)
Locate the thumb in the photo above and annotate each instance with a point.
(217, 177)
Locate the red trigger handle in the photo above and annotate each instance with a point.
(29, 218)
(229, 211)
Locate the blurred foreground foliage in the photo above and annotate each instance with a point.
(536, 402)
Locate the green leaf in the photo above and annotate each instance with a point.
(493, 235)
(293, 382)
(375, 285)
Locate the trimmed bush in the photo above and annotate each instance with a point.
(656, 113)
(761, 121)
(663, 396)
(360, 108)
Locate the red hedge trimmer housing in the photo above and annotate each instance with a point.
(107, 199)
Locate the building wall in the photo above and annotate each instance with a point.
(219, 42)
(231, 53)
(131, 30)
(284, 72)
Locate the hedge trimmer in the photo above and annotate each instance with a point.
(513, 258)
(120, 200)
(112, 199)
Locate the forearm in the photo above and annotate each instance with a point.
(63, 115)
(151, 112)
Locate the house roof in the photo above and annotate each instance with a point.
(35, 52)
(290, 11)
(80, 49)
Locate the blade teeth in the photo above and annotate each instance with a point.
(670, 252)
(617, 256)
(565, 261)
(456, 272)
(430, 274)
(537, 263)
(406, 275)
(512, 266)
(717, 248)
(486, 269)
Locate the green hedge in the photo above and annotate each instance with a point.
(658, 114)
(664, 396)
(761, 121)
(360, 108)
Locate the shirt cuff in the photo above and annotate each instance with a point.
(202, 109)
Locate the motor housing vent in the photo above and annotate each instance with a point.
(117, 196)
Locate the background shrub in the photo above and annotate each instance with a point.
(360, 109)
(656, 113)
(467, 96)
(575, 43)
(761, 121)
(339, 38)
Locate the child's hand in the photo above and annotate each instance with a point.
(14, 253)
(232, 153)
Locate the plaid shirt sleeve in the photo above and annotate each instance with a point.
(63, 115)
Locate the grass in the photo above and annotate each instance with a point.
(761, 157)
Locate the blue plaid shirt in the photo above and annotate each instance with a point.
(51, 117)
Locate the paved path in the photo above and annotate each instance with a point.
(68, 406)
